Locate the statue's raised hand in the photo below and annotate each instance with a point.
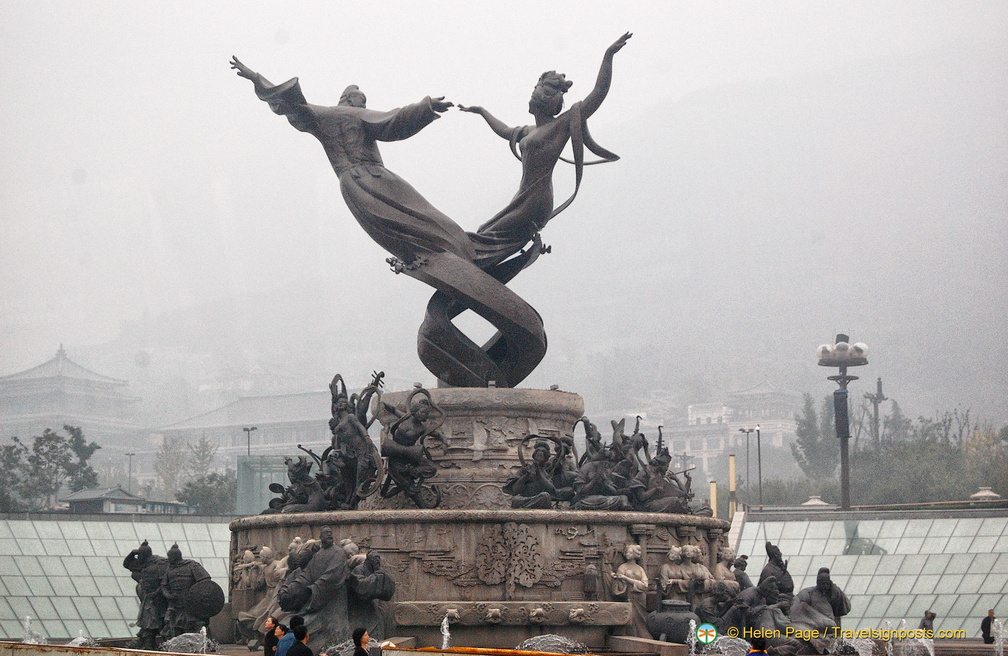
(618, 45)
(243, 70)
(438, 104)
(474, 109)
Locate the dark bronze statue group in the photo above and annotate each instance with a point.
(176, 595)
(333, 587)
(352, 468)
(727, 598)
(622, 475)
(469, 270)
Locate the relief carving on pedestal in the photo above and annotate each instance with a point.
(445, 565)
(572, 532)
(473, 495)
(509, 554)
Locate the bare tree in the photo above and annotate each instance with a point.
(169, 466)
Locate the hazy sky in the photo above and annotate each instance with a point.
(140, 174)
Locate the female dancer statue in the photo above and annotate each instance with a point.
(539, 148)
(389, 209)
(469, 270)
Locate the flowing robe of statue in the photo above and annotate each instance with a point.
(318, 592)
(631, 581)
(653, 492)
(272, 574)
(816, 610)
(389, 209)
(777, 568)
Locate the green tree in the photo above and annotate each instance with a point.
(780, 492)
(48, 463)
(80, 474)
(816, 449)
(13, 463)
(896, 427)
(987, 453)
(915, 471)
(200, 458)
(211, 494)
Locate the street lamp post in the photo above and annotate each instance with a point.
(248, 438)
(759, 466)
(731, 486)
(129, 479)
(842, 355)
(876, 398)
(747, 432)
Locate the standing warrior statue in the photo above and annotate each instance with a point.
(147, 570)
(177, 584)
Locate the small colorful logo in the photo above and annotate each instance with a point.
(706, 634)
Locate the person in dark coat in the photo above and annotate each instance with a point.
(270, 639)
(987, 628)
(361, 640)
(927, 622)
(300, 646)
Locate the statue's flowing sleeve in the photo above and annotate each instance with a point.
(401, 123)
(287, 100)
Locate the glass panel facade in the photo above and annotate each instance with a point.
(67, 574)
(894, 569)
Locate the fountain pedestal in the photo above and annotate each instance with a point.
(501, 575)
(483, 427)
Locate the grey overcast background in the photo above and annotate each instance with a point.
(789, 170)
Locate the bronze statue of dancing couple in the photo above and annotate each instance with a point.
(469, 270)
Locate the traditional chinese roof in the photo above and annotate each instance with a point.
(260, 410)
(115, 493)
(61, 366)
(765, 387)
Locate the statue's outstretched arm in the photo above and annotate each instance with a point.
(594, 99)
(244, 71)
(500, 128)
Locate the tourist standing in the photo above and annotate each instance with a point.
(269, 636)
(361, 640)
(284, 639)
(927, 622)
(300, 646)
(987, 627)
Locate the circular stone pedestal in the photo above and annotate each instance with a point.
(500, 575)
(483, 427)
